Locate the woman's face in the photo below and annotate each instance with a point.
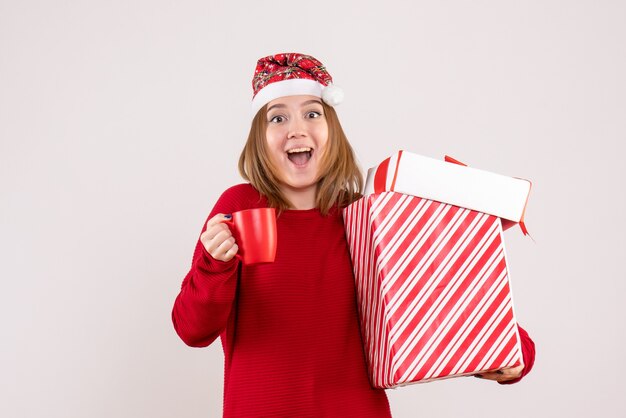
(297, 133)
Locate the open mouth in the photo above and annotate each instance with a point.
(300, 156)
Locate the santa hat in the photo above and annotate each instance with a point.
(292, 74)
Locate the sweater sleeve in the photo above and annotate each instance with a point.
(203, 306)
(528, 354)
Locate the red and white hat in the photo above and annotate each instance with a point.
(291, 74)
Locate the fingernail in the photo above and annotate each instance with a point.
(228, 216)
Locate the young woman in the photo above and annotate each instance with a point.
(289, 329)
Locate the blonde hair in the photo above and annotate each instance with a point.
(340, 180)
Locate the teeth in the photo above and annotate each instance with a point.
(303, 149)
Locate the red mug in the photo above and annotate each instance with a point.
(255, 233)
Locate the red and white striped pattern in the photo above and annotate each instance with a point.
(433, 289)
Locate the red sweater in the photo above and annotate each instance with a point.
(289, 329)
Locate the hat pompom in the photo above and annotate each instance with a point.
(332, 95)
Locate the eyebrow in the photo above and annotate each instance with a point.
(308, 102)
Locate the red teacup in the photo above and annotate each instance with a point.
(255, 233)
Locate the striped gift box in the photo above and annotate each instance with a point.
(432, 286)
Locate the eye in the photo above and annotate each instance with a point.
(313, 114)
(277, 119)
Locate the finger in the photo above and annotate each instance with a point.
(502, 375)
(232, 252)
(213, 231)
(497, 377)
(217, 219)
(226, 251)
(225, 245)
(510, 373)
(215, 225)
(220, 243)
(489, 375)
(517, 370)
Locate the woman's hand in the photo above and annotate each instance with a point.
(218, 240)
(502, 375)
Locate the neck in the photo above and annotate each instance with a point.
(300, 199)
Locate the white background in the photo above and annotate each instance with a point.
(121, 123)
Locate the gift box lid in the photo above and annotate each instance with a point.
(454, 184)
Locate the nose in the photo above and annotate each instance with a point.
(296, 128)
